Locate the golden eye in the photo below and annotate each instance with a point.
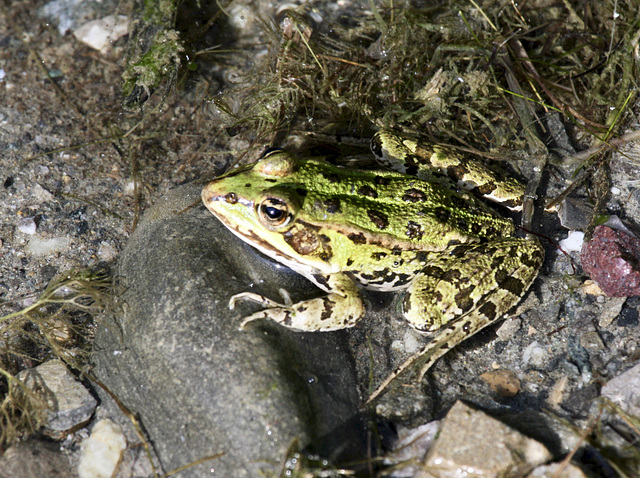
(274, 212)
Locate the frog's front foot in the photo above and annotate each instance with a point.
(340, 309)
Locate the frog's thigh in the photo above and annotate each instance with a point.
(340, 309)
(478, 286)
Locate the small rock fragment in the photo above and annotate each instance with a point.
(573, 242)
(472, 443)
(70, 403)
(624, 390)
(503, 382)
(44, 247)
(557, 470)
(35, 458)
(411, 448)
(99, 34)
(107, 252)
(27, 225)
(40, 193)
(611, 258)
(535, 355)
(102, 451)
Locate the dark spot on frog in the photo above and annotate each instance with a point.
(327, 309)
(326, 253)
(349, 262)
(414, 195)
(376, 256)
(379, 219)
(488, 309)
(302, 192)
(321, 280)
(513, 285)
(332, 206)
(414, 230)
(358, 238)
(331, 177)
(486, 188)
(248, 185)
(381, 180)
(442, 214)
(302, 240)
(452, 275)
(456, 172)
(367, 191)
(376, 147)
(433, 271)
(271, 180)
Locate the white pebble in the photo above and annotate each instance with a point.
(107, 252)
(573, 242)
(44, 247)
(99, 34)
(102, 451)
(27, 226)
(535, 355)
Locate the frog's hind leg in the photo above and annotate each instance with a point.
(340, 309)
(456, 297)
(476, 285)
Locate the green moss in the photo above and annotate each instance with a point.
(162, 59)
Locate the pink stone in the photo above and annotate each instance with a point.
(612, 260)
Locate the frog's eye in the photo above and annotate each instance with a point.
(274, 213)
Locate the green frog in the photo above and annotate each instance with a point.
(421, 229)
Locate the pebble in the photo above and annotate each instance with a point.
(70, 403)
(100, 34)
(102, 451)
(27, 225)
(44, 247)
(471, 443)
(611, 259)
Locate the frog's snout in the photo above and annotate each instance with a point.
(209, 194)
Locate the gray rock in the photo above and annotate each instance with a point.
(471, 441)
(624, 390)
(35, 458)
(69, 402)
(200, 386)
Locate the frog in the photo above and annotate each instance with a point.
(420, 225)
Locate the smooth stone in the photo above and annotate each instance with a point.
(200, 386)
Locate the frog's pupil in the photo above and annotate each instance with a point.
(273, 212)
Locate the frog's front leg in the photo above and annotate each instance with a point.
(340, 309)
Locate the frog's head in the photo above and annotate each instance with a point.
(260, 203)
(259, 195)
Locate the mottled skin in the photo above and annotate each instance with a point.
(343, 228)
